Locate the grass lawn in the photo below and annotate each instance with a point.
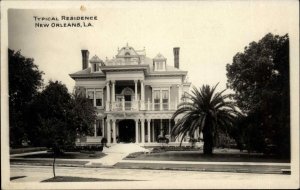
(68, 155)
(80, 179)
(48, 162)
(198, 156)
(25, 150)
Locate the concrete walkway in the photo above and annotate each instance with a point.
(115, 154)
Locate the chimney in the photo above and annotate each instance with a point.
(176, 57)
(85, 58)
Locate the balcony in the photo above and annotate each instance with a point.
(140, 106)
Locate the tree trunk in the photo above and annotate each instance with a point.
(208, 143)
(54, 155)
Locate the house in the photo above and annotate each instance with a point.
(135, 96)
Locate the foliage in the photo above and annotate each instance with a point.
(58, 117)
(24, 82)
(260, 78)
(207, 110)
(104, 142)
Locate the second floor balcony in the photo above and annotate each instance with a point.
(139, 106)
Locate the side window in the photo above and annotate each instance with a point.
(95, 67)
(156, 96)
(99, 127)
(165, 99)
(99, 98)
(90, 96)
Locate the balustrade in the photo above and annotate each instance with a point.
(139, 105)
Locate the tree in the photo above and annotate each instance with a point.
(207, 110)
(57, 118)
(260, 78)
(24, 82)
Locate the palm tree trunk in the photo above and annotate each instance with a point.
(208, 143)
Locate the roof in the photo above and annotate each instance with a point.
(127, 51)
(138, 60)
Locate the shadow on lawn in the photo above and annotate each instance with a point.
(16, 177)
(81, 179)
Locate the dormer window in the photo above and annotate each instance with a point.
(160, 66)
(159, 63)
(94, 67)
(95, 63)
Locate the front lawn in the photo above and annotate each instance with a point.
(69, 155)
(198, 156)
(25, 150)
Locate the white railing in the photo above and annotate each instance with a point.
(140, 105)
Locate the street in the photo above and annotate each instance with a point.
(143, 178)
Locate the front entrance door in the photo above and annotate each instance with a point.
(127, 98)
(127, 131)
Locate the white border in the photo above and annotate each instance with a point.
(292, 182)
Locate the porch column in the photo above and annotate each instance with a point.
(136, 131)
(169, 99)
(179, 93)
(135, 90)
(95, 129)
(107, 96)
(170, 129)
(153, 134)
(143, 130)
(142, 95)
(148, 127)
(113, 97)
(161, 128)
(108, 131)
(114, 131)
(103, 127)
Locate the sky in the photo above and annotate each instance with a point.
(209, 34)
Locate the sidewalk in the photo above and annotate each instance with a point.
(236, 167)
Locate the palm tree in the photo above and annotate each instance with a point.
(207, 110)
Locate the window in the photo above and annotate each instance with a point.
(90, 96)
(98, 98)
(94, 67)
(156, 96)
(160, 66)
(95, 96)
(165, 99)
(99, 127)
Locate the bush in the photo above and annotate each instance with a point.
(173, 148)
(83, 149)
(104, 142)
(161, 139)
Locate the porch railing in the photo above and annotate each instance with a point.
(139, 105)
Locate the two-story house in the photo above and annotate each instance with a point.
(135, 95)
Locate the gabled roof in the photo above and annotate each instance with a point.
(127, 51)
